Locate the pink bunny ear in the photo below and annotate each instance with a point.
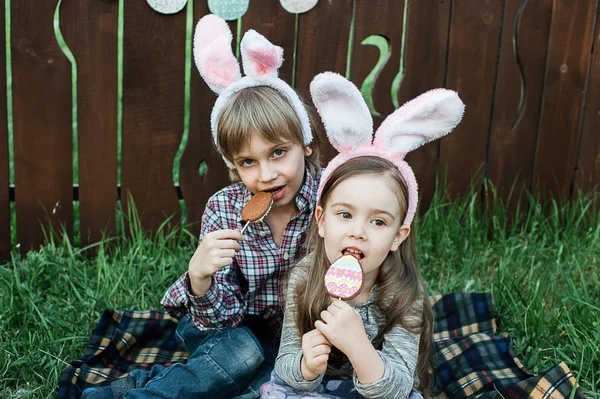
(343, 110)
(429, 116)
(213, 55)
(259, 56)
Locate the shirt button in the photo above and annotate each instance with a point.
(286, 256)
(262, 234)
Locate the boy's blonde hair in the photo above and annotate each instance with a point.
(264, 111)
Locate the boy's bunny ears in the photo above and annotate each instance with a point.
(349, 127)
(219, 68)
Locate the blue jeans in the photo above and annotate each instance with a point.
(224, 363)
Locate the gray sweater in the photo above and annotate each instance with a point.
(399, 350)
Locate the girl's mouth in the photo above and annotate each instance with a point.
(356, 253)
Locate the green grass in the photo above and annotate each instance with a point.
(542, 267)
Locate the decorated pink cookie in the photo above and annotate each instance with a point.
(344, 278)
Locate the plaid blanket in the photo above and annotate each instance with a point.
(471, 360)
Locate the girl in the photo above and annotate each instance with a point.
(366, 203)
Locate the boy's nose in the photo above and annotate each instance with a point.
(267, 173)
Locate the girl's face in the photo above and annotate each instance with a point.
(362, 218)
(274, 167)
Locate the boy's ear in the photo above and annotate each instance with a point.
(307, 150)
(401, 235)
(320, 220)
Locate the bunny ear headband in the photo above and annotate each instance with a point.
(349, 127)
(220, 70)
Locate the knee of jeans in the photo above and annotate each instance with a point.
(238, 353)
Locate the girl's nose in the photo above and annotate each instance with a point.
(357, 230)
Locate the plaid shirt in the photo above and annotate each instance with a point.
(251, 285)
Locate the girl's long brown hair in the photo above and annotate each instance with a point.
(401, 298)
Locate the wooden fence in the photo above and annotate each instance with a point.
(528, 71)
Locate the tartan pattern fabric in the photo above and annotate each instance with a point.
(471, 361)
(251, 285)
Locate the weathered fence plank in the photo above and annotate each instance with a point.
(90, 30)
(471, 71)
(42, 124)
(518, 97)
(197, 190)
(588, 165)
(322, 46)
(568, 56)
(5, 244)
(153, 101)
(424, 69)
(389, 15)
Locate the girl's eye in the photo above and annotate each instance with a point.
(378, 222)
(344, 215)
(278, 153)
(246, 162)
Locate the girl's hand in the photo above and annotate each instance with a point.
(343, 327)
(315, 354)
(216, 250)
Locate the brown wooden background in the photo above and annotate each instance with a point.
(528, 71)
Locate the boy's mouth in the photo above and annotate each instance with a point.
(355, 252)
(274, 190)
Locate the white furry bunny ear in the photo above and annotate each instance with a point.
(213, 55)
(429, 116)
(260, 57)
(343, 110)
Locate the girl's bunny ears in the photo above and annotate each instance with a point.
(349, 127)
(220, 70)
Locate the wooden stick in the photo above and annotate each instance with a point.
(244, 228)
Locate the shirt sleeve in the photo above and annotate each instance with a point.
(399, 353)
(223, 305)
(287, 364)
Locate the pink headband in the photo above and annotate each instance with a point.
(220, 70)
(349, 126)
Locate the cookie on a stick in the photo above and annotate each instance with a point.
(257, 208)
(344, 278)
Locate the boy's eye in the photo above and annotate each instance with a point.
(278, 153)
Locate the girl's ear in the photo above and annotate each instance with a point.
(401, 235)
(308, 150)
(345, 115)
(320, 220)
(260, 57)
(428, 117)
(213, 55)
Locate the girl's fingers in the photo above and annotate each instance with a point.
(326, 316)
(320, 359)
(336, 307)
(322, 349)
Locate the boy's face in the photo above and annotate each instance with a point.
(273, 167)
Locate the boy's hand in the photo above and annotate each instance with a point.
(315, 354)
(217, 250)
(343, 327)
